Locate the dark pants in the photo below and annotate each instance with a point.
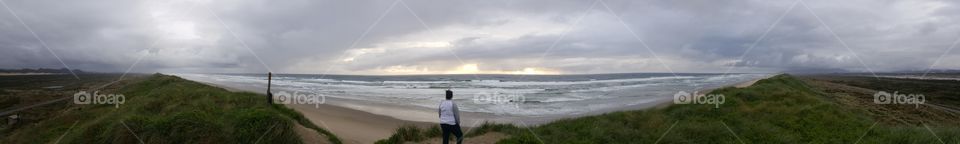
(455, 129)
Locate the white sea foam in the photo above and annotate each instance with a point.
(540, 97)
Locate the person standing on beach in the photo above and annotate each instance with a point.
(450, 119)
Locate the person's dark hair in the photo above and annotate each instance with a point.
(449, 94)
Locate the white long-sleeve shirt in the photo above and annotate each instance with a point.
(449, 114)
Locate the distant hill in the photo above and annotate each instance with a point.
(40, 70)
(931, 71)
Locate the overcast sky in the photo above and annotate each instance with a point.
(480, 36)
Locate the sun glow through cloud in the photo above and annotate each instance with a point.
(476, 69)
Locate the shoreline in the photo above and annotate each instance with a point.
(354, 125)
(350, 125)
(751, 82)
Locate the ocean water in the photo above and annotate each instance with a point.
(495, 95)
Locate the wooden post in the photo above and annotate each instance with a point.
(269, 94)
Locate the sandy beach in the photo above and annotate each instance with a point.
(351, 126)
(751, 82)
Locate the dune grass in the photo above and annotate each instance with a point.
(168, 109)
(411, 133)
(780, 109)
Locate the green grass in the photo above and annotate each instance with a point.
(168, 109)
(780, 109)
(943, 92)
(411, 133)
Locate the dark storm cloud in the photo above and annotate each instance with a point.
(317, 36)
